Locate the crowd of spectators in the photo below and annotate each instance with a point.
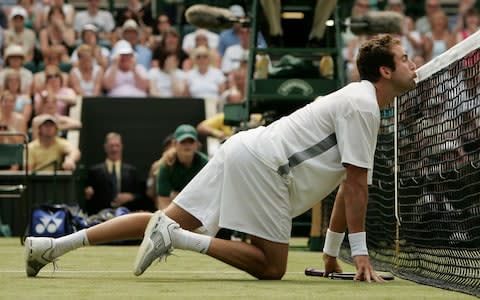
(424, 37)
(52, 48)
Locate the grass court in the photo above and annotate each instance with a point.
(105, 272)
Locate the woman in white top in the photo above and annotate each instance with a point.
(86, 78)
(201, 39)
(205, 81)
(439, 39)
(89, 36)
(54, 83)
(167, 80)
(23, 102)
(68, 10)
(10, 120)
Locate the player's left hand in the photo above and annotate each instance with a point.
(365, 270)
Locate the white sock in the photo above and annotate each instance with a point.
(187, 240)
(70, 242)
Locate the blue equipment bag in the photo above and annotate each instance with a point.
(51, 221)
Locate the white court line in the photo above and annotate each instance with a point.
(153, 271)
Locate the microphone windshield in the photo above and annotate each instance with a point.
(377, 22)
(210, 17)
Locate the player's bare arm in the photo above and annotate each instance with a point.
(355, 193)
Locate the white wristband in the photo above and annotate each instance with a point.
(333, 241)
(358, 243)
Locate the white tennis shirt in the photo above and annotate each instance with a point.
(310, 147)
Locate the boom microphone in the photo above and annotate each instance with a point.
(377, 22)
(211, 17)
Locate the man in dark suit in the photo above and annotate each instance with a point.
(112, 183)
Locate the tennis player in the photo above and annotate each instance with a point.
(262, 178)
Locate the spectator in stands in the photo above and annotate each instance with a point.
(162, 25)
(214, 126)
(131, 33)
(439, 39)
(411, 39)
(205, 81)
(170, 43)
(456, 22)
(137, 11)
(57, 32)
(202, 40)
(114, 182)
(167, 158)
(236, 84)
(48, 105)
(125, 78)
(2, 32)
(272, 10)
(18, 34)
(86, 78)
(422, 24)
(352, 42)
(359, 8)
(14, 59)
(10, 120)
(419, 60)
(3, 20)
(52, 57)
(167, 80)
(23, 102)
(89, 37)
(67, 8)
(235, 53)
(471, 21)
(188, 162)
(7, 5)
(230, 37)
(188, 43)
(34, 19)
(102, 19)
(49, 151)
(66, 97)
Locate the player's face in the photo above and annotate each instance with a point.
(404, 74)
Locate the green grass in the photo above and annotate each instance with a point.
(105, 272)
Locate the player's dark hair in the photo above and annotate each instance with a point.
(376, 53)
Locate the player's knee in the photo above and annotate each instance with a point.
(272, 273)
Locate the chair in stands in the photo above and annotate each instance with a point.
(13, 185)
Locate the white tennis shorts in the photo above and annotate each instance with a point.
(235, 190)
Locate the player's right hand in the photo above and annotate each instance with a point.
(365, 270)
(331, 265)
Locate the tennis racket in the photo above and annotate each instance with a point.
(343, 276)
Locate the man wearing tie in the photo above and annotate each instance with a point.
(112, 183)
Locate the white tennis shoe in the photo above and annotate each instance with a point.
(38, 253)
(157, 242)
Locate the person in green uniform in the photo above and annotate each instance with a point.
(173, 177)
